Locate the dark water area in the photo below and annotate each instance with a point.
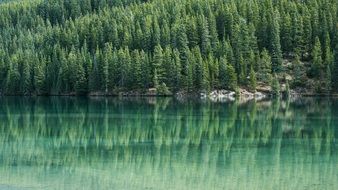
(162, 143)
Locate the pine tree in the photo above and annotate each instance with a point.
(242, 71)
(136, 70)
(223, 72)
(328, 80)
(298, 72)
(177, 79)
(286, 34)
(146, 68)
(192, 33)
(335, 69)
(231, 77)
(287, 89)
(298, 38)
(316, 66)
(156, 33)
(156, 80)
(39, 77)
(212, 73)
(307, 36)
(104, 67)
(13, 82)
(213, 30)
(199, 69)
(204, 36)
(276, 51)
(81, 82)
(158, 64)
(165, 34)
(189, 78)
(264, 68)
(328, 55)
(253, 80)
(25, 78)
(275, 87)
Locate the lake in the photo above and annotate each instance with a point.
(162, 143)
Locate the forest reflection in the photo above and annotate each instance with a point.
(98, 138)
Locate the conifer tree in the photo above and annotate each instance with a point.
(158, 64)
(39, 77)
(253, 80)
(275, 87)
(231, 77)
(276, 52)
(286, 37)
(328, 80)
(317, 64)
(80, 84)
(298, 74)
(264, 68)
(335, 69)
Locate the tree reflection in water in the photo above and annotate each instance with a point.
(161, 143)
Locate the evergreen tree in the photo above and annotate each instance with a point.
(275, 87)
(328, 55)
(298, 74)
(287, 89)
(253, 80)
(223, 72)
(136, 70)
(39, 77)
(286, 34)
(276, 51)
(158, 64)
(317, 64)
(335, 70)
(204, 36)
(81, 82)
(264, 68)
(328, 80)
(67, 47)
(231, 77)
(24, 70)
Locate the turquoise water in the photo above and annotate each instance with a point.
(148, 143)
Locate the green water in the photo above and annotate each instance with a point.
(73, 143)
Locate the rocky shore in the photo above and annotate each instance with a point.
(228, 95)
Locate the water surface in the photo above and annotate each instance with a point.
(147, 143)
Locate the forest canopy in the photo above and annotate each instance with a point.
(54, 47)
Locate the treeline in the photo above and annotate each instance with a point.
(108, 46)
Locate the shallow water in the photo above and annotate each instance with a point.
(99, 143)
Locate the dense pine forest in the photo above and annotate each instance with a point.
(60, 47)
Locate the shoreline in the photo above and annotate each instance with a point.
(187, 95)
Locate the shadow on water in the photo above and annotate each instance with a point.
(162, 143)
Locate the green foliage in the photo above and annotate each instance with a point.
(162, 89)
(70, 46)
(264, 67)
(287, 89)
(335, 70)
(276, 52)
(253, 80)
(231, 77)
(317, 64)
(275, 87)
(299, 74)
(328, 80)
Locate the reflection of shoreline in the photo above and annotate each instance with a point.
(175, 165)
(161, 143)
(164, 121)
